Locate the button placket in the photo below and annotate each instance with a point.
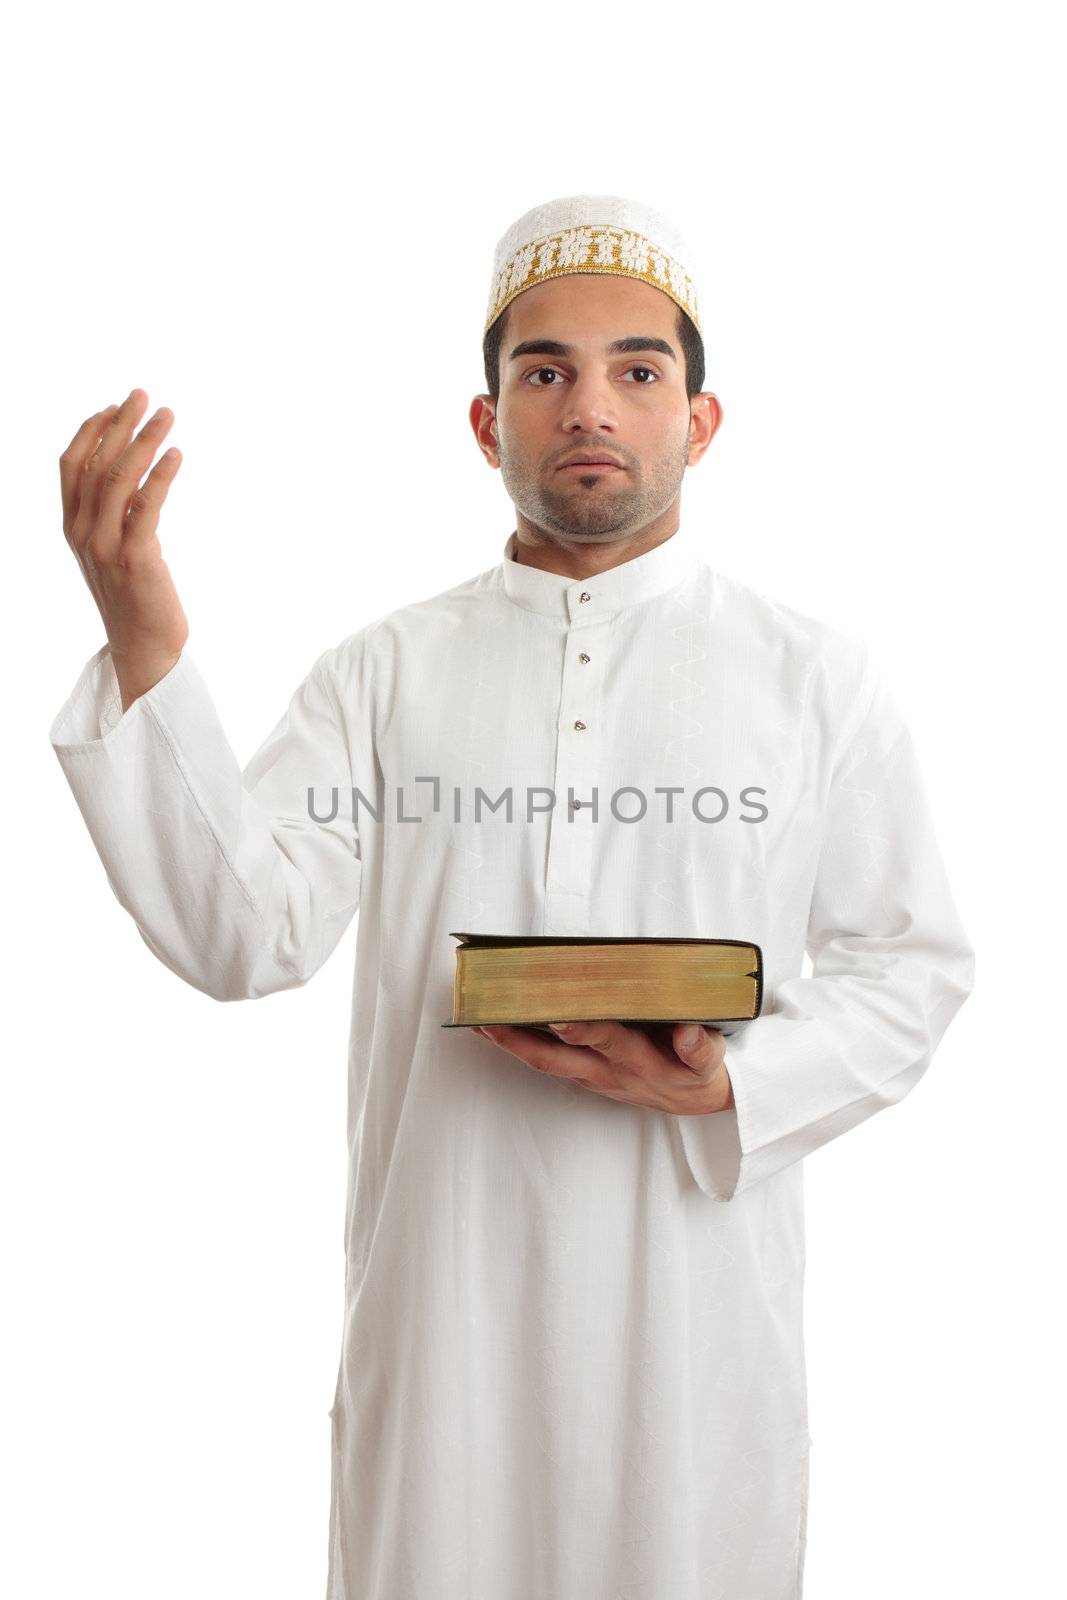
(571, 838)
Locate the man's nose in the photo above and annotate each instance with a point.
(591, 404)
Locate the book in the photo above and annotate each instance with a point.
(530, 981)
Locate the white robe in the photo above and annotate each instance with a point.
(572, 1364)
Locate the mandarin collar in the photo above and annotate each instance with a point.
(593, 599)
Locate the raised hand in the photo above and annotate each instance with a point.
(110, 520)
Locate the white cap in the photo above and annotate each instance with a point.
(592, 233)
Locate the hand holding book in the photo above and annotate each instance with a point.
(675, 1067)
(646, 1017)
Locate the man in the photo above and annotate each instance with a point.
(573, 1364)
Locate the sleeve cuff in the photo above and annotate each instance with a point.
(711, 1143)
(92, 712)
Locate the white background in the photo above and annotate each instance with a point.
(279, 222)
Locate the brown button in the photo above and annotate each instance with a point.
(583, 656)
(575, 805)
(584, 596)
(580, 726)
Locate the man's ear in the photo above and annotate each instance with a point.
(704, 418)
(483, 421)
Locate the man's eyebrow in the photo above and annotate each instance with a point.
(633, 345)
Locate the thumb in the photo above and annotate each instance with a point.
(693, 1045)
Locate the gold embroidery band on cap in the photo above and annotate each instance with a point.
(591, 249)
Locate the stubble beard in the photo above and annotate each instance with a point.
(597, 508)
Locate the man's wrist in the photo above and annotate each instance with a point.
(135, 676)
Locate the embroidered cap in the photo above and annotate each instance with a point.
(592, 233)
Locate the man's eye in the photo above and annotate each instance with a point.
(552, 372)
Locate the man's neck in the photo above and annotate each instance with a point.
(534, 549)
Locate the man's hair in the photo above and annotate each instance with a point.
(687, 333)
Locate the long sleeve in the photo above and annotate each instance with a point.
(231, 881)
(891, 966)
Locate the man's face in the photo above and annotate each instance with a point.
(565, 391)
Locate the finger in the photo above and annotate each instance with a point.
(122, 479)
(112, 441)
(612, 1039)
(146, 502)
(560, 1060)
(120, 427)
(73, 461)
